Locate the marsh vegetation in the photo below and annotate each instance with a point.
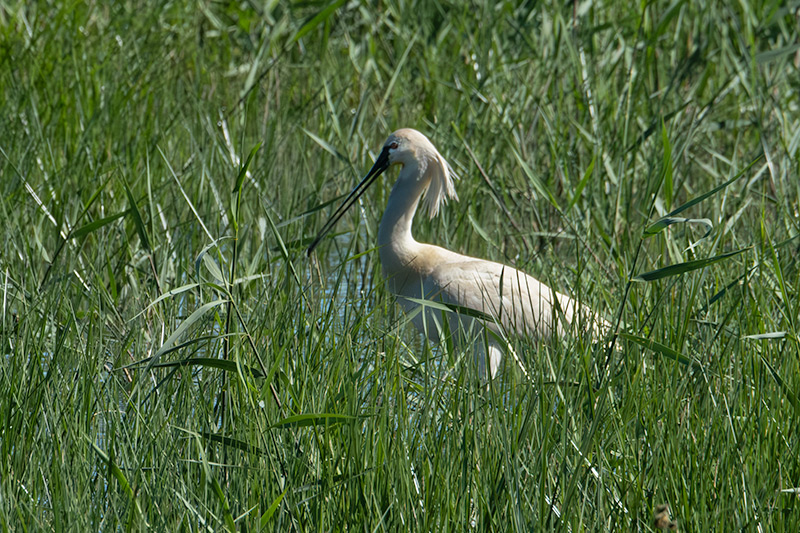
(172, 360)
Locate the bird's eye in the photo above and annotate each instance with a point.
(393, 145)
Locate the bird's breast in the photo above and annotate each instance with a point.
(408, 268)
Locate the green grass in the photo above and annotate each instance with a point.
(172, 360)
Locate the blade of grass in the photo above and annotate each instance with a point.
(576, 195)
(658, 225)
(665, 222)
(265, 518)
(688, 266)
(237, 189)
(182, 329)
(785, 389)
(304, 420)
(138, 222)
(667, 163)
(209, 362)
(318, 19)
(97, 224)
(119, 475)
(663, 350)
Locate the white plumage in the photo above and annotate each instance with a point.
(417, 271)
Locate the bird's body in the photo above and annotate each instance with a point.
(509, 300)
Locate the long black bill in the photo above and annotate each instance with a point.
(381, 164)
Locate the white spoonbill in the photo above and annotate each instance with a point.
(414, 271)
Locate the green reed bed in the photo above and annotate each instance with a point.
(172, 360)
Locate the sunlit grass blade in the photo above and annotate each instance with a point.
(243, 171)
(661, 224)
(318, 19)
(212, 268)
(665, 222)
(326, 146)
(208, 362)
(480, 231)
(304, 420)
(272, 508)
(169, 294)
(663, 350)
(208, 263)
(143, 363)
(534, 180)
(96, 225)
(688, 266)
(181, 330)
(766, 336)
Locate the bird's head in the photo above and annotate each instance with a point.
(408, 147)
(427, 168)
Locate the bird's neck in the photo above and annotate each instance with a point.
(396, 244)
